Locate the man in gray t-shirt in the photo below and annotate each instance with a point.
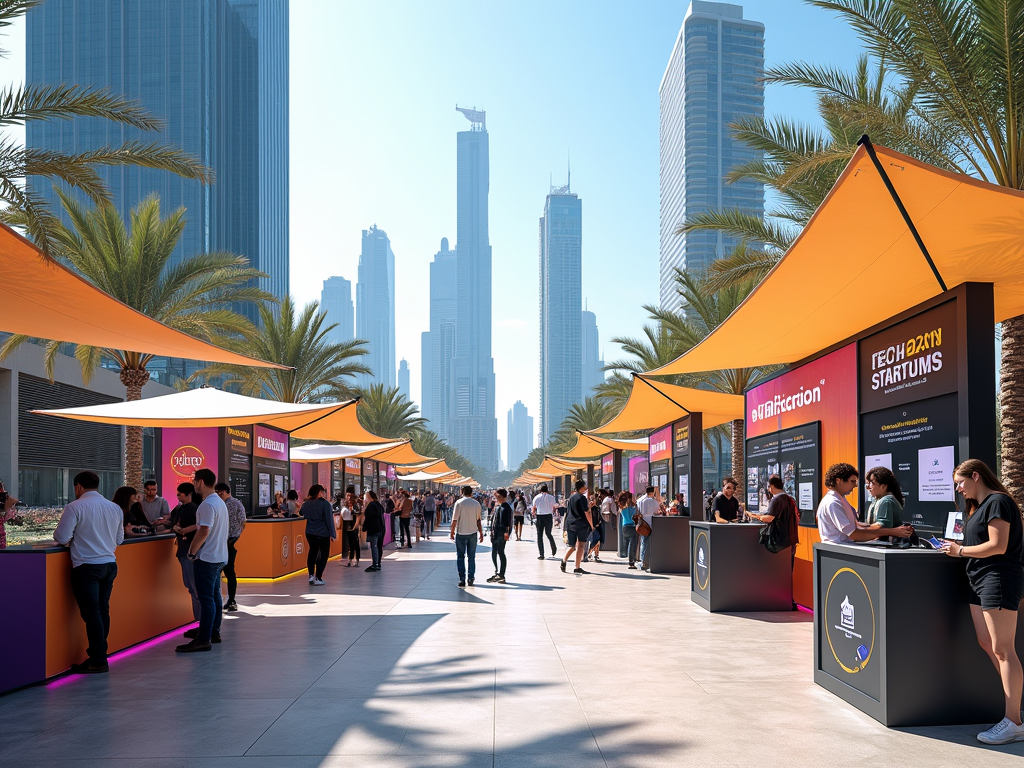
(208, 552)
(154, 506)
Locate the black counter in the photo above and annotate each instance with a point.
(731, 571)
(893, 636)
(669, 548)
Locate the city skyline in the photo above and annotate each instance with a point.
(375, 307)
(520, 435)
(337, 305)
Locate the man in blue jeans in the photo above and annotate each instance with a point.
(466, 527)
(209, 554)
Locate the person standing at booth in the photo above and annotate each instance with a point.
(209, 554)
(726, 508)
(351, 522)
(92, 528)
(404, 507)
(782, 508)
(886, 507)
(647, 508)
(993, 547)
(837, 519)
(236, 524)
(373, 524)
(627, 529)
(543, 511)
(320, 532)
(183, 523)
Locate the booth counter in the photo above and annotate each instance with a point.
(46, 634)
(272, 547)
(669, 550)
(731, 571)
(893, 636)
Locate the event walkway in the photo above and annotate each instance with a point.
(402, 668)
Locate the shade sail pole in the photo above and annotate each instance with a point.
(645, 381)
(866, 143)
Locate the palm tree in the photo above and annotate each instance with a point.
(318, 368)
(132, 265)
(590, 414)
(386, 412)
(428, 443)
(22, 104)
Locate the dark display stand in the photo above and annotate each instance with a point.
(670, 544)
(731, 571)
(893, 636)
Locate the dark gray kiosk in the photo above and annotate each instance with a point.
(893, 637)
(731, 571)
(670, 544)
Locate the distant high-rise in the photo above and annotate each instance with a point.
(336, 304)
(215, 72)
(561, 301)
(592, 366)
(520, 435)
(437, 348)
(375, 307)
(473, 430)
(711, 81)
(403, 380)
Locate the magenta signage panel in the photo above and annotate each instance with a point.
(270, 443)
(639, 475)
(183, 452)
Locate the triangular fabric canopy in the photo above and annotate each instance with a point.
(856, 263)
(438, 477)
(588, 446)
(206, 407)
(46, 300)
(434, 466)
(309, 453)
(654, 404)
(338, 427)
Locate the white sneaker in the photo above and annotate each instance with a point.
(1003, 732)
(311, 579)
(317, 582)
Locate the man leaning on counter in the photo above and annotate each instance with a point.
(837, 519)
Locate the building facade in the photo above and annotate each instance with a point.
(592, 366)
(215, 72)
(561, 301)
(473, 428)
(403, 380)
(336, 304)
(375, 307)
(520, 435)
(711, 81)
(437, 348)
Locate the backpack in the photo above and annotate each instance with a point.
(709, 508)
(774, 536)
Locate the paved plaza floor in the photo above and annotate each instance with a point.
(403, 668)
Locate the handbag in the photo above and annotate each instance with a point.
(643, 528)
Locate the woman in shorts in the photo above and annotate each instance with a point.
(993, 546)
(519, 515)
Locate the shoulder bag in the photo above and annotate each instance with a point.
(643, 528)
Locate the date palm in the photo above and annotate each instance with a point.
(428, 443)
(77, 170)
(318, 368)
(385, 411)
(132, 264)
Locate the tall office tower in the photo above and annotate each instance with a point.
(561, 300)
(473, 429)
(711, 82)
(336, 304)
(375, 307)
(216, 73)
(403, 380)
(520, 435)
(592, 366)
(438, 344)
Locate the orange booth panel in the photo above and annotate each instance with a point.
(271, 548)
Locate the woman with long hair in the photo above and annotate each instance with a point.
(993, 546)
(886, 507)
(627, 528)
(320, 532)
(135, 522)
(351, 521)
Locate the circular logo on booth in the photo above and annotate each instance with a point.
(285, 550)
(298, 545)
(186, 460)
(702, 560)
(849, 620)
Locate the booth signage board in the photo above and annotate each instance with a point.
(793, 454)
(352, 466)
(238, 447)
(639, 475)
(391, 472)
(270, 443)
(608, 464)
(659, 477)
(681, 438)
(660, 445)
(183, 451)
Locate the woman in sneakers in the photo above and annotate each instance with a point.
(351, 522)
(320, 532)
(993, 546)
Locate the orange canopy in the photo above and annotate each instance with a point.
(433, 466)
(46, 300)
(340, 426)
(398, 452)
(588, 446)
(857, 263)
(653, 404)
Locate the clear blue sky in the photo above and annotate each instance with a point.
(374, 85)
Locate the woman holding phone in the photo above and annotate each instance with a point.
(993, 546)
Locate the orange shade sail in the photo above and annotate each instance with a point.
(857, 263)
(435, 466)
(588, 446)
(396, 452)
(48, 301)
(654, 404)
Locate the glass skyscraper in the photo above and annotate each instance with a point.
(375, 307)
(336, 304)
(561, 302)
(473, 429)
(216, 73)
(437, 349)
(712, 80)
(591, 366)
(520, 435)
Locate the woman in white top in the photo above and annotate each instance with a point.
(351, 522)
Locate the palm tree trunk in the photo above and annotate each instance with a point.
(1011, 407)
(133, 379)
(737, 453)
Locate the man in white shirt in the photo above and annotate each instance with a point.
(837, 519)
(647, 508)
(466, 526)
(92, 528)
(543, 511)
(209, 554)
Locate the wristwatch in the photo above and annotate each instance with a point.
(193, 555)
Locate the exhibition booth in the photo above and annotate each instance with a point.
(731, 571)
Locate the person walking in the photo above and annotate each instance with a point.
(404, 507)
(351, 523)
(209, 554)
(467, 525)
(320, 532)
(518, 514)
(501, 527)
(627, 529)
(183, 523)
(543, 511)
(578, 526)
(429, 510)
(373, 524)
(647, 509)
(92, 528)
(236, 524)
(391, 511)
